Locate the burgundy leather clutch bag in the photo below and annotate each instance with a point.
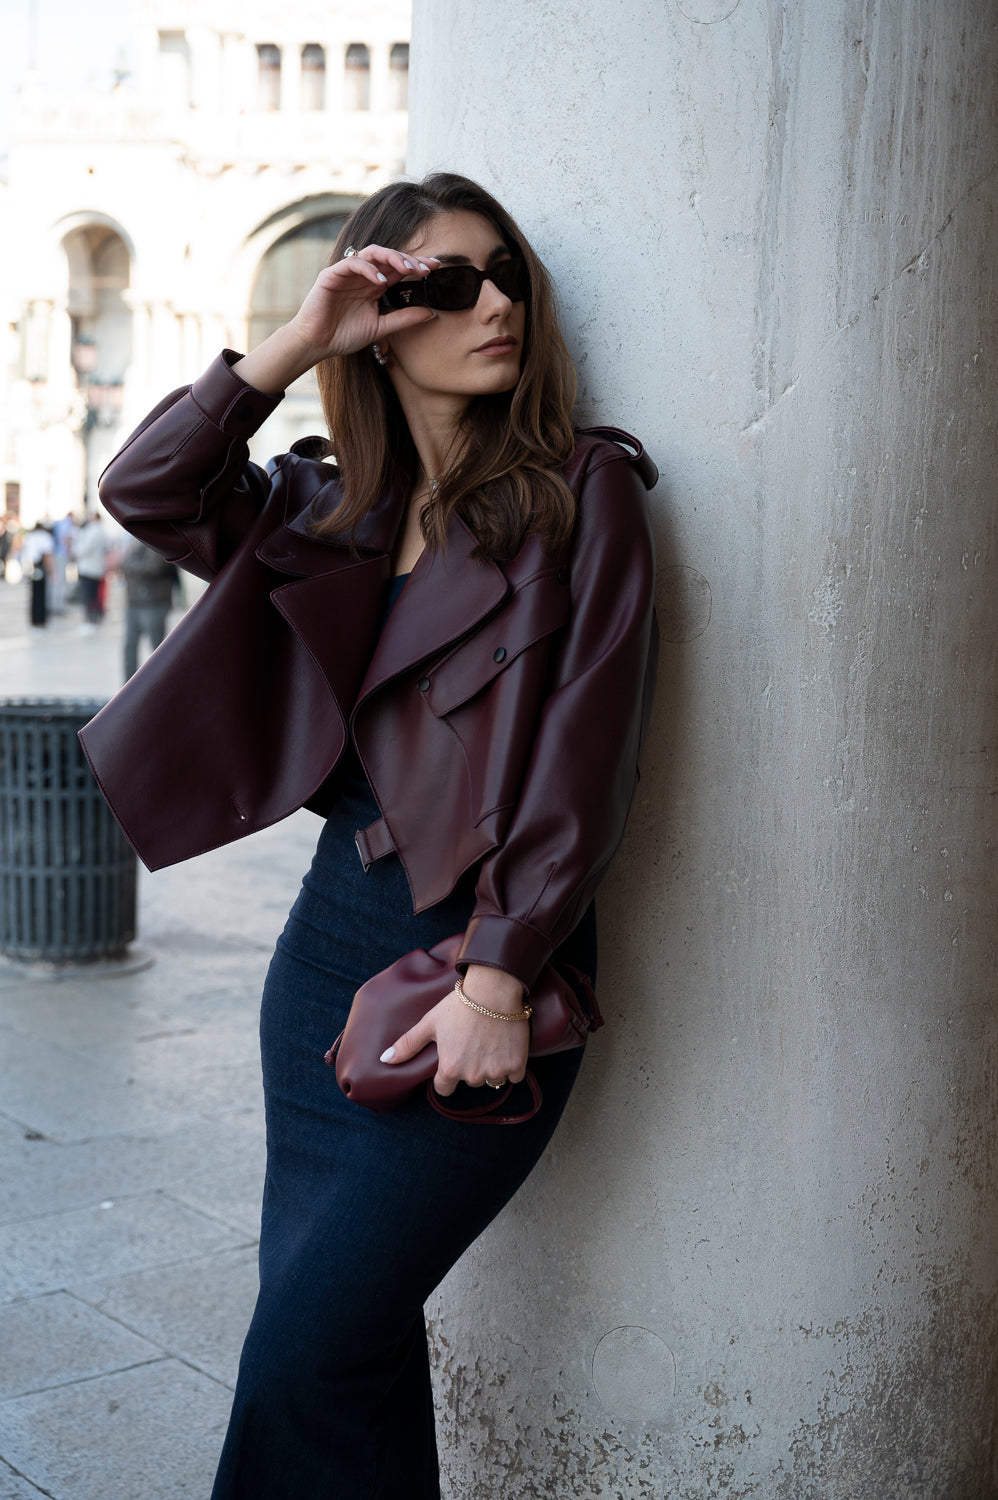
(399, 996)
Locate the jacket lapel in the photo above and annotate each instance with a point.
(335, 592)
(336, 595)
(336, 615)
(447, 594)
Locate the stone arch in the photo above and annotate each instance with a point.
(88, 219)
(277, 226)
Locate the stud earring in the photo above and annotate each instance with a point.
(381, 358)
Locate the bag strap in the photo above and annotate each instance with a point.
(485, 1114)
(583, 982)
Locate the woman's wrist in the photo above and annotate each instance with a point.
(278, 362)
(493, 988)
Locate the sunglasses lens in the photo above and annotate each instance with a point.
(452, 288)
(510, 278)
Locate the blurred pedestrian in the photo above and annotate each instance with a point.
(64, 537)
(6, 538)
(37, 548)
(149, 585)
(93, 548)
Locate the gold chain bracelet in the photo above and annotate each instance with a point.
(493, 1015)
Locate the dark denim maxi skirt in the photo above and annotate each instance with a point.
(363, 1214)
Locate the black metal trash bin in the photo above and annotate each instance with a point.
(68, 876)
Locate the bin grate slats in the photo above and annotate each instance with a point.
(67, 874)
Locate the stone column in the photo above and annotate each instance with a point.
(760, 1258)
(142, 379)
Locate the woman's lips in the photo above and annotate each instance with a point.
(497, 346)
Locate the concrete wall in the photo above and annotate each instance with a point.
(761, 1257)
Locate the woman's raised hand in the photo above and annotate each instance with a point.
(339, 315)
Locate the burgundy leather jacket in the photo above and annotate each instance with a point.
(499, 715)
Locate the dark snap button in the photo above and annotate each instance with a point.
(423, 684)
(562, 575)
(499, 655)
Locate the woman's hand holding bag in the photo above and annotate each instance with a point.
(395, 1003)
(471, 1047)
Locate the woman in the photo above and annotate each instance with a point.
(446, 647)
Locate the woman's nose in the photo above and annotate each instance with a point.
(491, 301)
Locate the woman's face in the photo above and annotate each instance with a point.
(476, 352)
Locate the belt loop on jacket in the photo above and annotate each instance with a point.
(373, 842)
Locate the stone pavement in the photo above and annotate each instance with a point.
(131, 1154)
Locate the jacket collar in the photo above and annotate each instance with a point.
(375, 531)
(312, 494)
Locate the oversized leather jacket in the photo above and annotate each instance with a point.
(498, 716)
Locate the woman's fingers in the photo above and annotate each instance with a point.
(349, 272)
(407, 1046)
(471, 1049)
(404, 317)
(444, 1084)
(379, 264)
(396, 260)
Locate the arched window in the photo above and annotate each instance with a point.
(398, 75)
(99, 275)
(268, 77)
(313, 77)
(358, 77)
(286, 272)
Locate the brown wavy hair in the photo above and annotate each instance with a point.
(507, 479)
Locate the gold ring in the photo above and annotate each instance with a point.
(501, 1085)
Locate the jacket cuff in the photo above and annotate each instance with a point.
(236, 408)
(504, 943)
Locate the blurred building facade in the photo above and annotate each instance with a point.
(188, 209)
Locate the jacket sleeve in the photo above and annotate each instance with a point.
(183, 482)
(583, 767)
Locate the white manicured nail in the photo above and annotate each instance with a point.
(382, 278)
(387, 1055)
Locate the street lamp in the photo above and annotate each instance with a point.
(84, 358)
(103, 398)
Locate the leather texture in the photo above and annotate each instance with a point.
(394, 1000)
(498, 716)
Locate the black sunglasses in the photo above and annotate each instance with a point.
(455, 288)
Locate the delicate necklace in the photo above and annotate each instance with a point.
(432, 485)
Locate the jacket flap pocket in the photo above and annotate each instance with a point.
(539, 607)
